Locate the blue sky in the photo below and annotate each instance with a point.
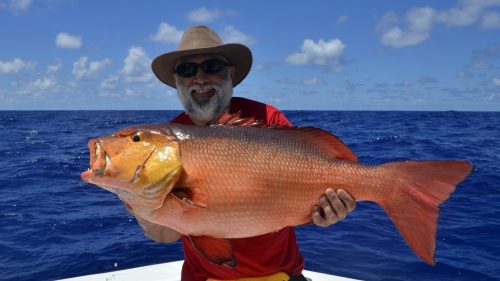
(325, 55)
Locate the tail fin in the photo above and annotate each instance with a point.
(421, 186)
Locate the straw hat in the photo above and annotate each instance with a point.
(203, 40)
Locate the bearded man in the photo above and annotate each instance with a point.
(204, 72)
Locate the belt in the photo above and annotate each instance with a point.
(280, 276)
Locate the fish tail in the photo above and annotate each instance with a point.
(413, 205)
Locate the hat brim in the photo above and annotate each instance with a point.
(238, 55)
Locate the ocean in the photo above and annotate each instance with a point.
(52, 225)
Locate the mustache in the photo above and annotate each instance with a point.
(203, 87)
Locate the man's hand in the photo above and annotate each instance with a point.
(333, 207)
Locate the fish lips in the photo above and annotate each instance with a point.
(98, 160)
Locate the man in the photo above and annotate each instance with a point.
(204, 71)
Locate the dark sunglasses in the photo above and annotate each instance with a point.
(210, 66)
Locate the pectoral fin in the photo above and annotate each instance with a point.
(216, 250)
(190, 197)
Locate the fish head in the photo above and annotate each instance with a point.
(140, 164)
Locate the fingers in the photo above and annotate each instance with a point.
(325, 214)
(348, 201)
(336, 204)
(333, 207)
(317, 218)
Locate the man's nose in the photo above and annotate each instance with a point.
(200, 76)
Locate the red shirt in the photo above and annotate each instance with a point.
(257, 256)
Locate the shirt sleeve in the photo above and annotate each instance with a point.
(276, 117)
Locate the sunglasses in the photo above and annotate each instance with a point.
(210, 66)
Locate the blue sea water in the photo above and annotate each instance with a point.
(52, 225)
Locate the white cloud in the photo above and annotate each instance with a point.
(328, 53)
(419, 21)
(108, 86)
(460, 16)
(427, 80)
(479, 64)
(137, 66)
(83, 69)
(490, 20)
(43, 84)
(464, 74)
(232, 35)
(203, 15)
(493, 96)
(387, 21)
(341, 20)
(466, 13)
(55, 67)
(313, 81)
(110, 82)
(264, 66)
(20, 5)
(16, 6)
(39, 86)
(167, 33)
(16, 65)
(68, 41)
(404, 84)
(260, 66)
(496, 81)
(131, 93)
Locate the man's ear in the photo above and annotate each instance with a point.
(232, 72)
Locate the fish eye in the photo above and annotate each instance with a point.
(136, 138)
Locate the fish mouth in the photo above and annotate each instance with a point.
(99, 159)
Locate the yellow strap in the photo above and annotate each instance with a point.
(280, 276)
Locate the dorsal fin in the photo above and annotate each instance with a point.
(325, 141)
(314, 137)
(236, 120)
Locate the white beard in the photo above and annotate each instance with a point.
(206, 110)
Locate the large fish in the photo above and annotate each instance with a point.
(217, 182)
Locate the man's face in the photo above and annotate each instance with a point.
(205, 96)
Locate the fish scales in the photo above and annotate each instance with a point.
(249, 171)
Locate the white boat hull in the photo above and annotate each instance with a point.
(171, 271)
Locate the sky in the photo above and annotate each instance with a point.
(314, 55)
